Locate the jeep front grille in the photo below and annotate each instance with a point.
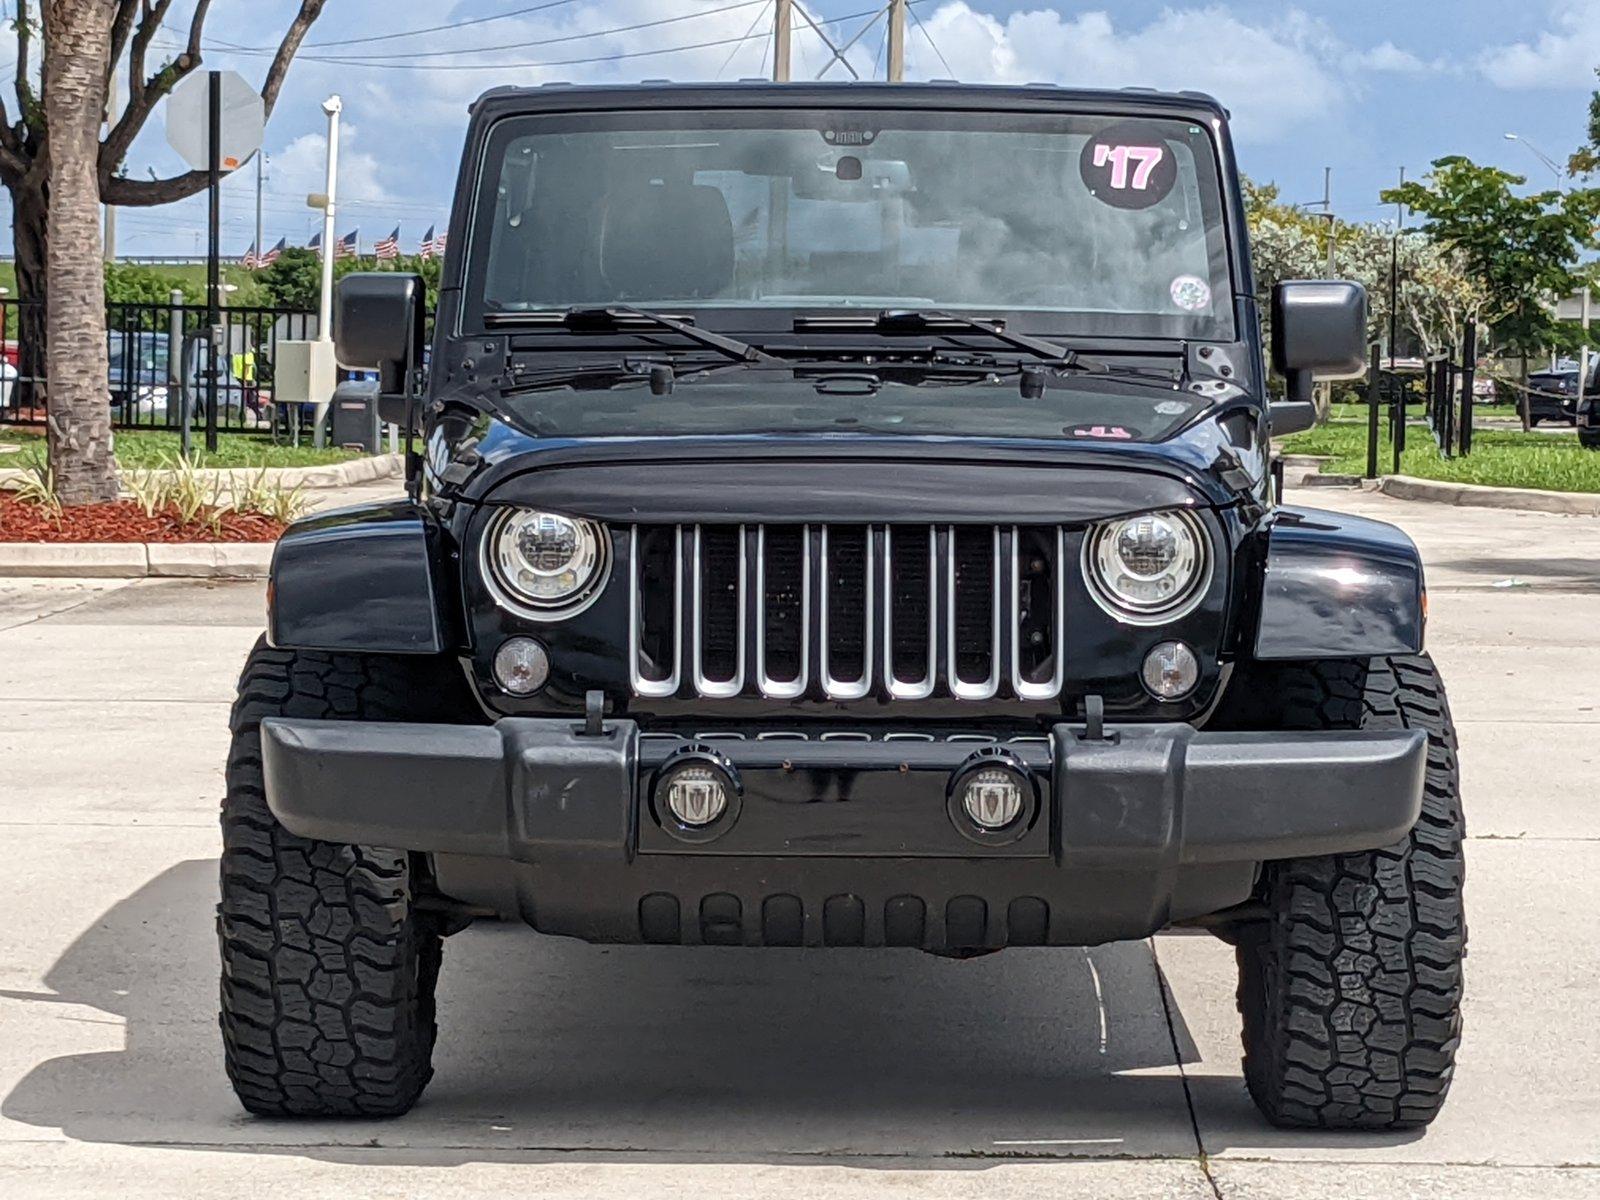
(844, 612)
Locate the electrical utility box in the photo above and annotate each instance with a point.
(305, 373)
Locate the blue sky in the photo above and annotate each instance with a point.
(1362, 86)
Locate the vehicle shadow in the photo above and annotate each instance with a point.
(550, 1048)
(1574, 574)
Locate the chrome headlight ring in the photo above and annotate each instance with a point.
(544, 566)
(1148, 569)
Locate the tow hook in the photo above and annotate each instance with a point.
(594, 712)
(1094, 721)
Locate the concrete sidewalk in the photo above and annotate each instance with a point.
(566, 1070)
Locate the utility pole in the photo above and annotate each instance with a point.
(1327, 214)
(897, 40)
(261, 158)
(1394, 274)
(782, 27)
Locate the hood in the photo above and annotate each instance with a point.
(1217, 459)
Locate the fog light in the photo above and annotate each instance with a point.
(1170, 671)
(696, 795)
(521, 666)
(994, 797)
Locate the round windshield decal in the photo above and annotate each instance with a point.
(1129, 165)
(1191, 293)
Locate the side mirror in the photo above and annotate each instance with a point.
(1319, 331)
(378, 325)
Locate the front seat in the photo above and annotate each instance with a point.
(666, 241)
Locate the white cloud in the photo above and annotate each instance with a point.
(301, 168)
(1388, 57)
(1562, 57)
(1275, 78)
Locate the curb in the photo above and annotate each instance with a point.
(327, 475)
(136, 560)
(1473, 495)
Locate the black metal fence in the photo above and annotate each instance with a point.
(1444, 392)
(161, 360)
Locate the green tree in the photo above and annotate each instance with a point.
(295, 280)
(59, 170)
(1587, 160)
(1437, 296)
(129, 283)
(1523, 250)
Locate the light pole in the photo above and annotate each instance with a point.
(333, 106)
(1561, 186)
(1559, 171)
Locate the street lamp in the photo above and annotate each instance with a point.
(1557, 168)
(1561, 186)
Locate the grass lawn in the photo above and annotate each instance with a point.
(1499, 458)
(142, 448)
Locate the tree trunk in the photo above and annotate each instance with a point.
(77, 50)
(30, 216)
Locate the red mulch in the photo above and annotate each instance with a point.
(124, 521)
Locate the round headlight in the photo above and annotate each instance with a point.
(545, 562)
(1147, 569)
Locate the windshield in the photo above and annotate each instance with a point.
(1075, 224)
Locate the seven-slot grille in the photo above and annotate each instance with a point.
(844, 612)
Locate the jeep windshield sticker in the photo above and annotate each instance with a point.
(1191, 293)
(1128, 165)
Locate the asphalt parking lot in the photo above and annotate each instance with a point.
(565, 1070)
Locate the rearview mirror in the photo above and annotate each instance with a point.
(1319, 331)
(378, 325)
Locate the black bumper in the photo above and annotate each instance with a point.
(844, 842)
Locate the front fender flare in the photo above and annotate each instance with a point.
(1338, 586)
(366, 579)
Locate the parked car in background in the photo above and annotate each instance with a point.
(1553, 395)
(141, 379)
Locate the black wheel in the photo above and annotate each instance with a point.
(1588, 438)
(328, 967)
(1350, 988)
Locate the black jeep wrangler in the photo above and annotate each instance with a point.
(844, 516)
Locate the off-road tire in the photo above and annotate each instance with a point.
(328, 968)
(1350, 989)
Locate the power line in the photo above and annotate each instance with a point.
(747, 33)
(405, 33)
(553, 41)
(373, 62)
(554, 62)
(568, 62)
(911, 8)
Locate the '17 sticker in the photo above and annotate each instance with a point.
(1128, 165)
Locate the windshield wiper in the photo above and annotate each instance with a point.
(614, 316)
(892, 320)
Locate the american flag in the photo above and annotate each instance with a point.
(316, 242)
(388, 249)
(349, 245)
(272, 256)
(251, 259)
(433, 247)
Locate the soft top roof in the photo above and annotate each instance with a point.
(1033, 97)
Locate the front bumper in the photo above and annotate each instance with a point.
(846, 842)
